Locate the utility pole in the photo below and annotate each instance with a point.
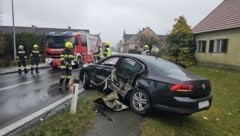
(14, 35)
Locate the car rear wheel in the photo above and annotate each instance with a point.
(140, 102)
(86, 81)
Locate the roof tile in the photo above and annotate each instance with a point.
(224, 16)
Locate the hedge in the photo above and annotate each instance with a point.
(25, 39)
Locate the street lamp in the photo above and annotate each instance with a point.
(14, 38)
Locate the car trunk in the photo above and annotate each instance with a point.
(194, 89)
(201, 88)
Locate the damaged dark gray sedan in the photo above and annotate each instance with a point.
(149, 82)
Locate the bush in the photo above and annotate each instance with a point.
(181, 56)
(134, 51)
(26, 39)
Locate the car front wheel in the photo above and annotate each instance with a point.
(140, 102)
(86, 81)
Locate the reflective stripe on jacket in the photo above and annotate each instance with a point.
(107, 52)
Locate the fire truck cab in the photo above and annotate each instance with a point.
(84, 47)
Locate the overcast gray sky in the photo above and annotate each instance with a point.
(108, 17)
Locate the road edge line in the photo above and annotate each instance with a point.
(8, 129)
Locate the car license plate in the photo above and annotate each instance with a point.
(203, 104)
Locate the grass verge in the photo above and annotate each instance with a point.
(222, 119)
(64, 123)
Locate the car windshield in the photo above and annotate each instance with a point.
(57, 41)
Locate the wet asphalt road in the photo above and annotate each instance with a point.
(21, 95)
(25, 94)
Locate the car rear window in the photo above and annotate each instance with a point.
(164, 67)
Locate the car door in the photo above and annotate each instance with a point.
(104, 68)
(128, 68)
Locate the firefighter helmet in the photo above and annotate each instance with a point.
(68, 45)
(146, 46)
(35, 46)
(21, 47)
(107, 44)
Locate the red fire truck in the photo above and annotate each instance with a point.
(84, 47)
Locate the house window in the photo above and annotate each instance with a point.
(218, 46)
(201, 46)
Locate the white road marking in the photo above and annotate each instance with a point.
(12, 86)
(36, 114)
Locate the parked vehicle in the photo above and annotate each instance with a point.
(149, 82)
(84, 46)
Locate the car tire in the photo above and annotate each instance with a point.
(86, 81)
(140, 102)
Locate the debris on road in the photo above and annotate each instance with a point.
(119, 88)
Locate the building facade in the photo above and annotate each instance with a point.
(217, 36)
(133, 41)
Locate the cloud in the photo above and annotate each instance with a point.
(109, 17)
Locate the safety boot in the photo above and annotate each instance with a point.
(31, 70)
(60, 85)
(37, 70)
(19, 71)
(25, 70)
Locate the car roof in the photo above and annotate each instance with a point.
(161, 70)
(141, 57)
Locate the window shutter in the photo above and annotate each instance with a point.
(211, 46)
(204, 46)
(197, 46)
(225, 45)
(193, 48)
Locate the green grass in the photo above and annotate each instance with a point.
(66, 124)
(222, 119)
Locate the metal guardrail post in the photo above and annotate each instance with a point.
(75, 96)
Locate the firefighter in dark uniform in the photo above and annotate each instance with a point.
(66, 58)
(35, 58)
(21, 59)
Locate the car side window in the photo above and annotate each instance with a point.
(130, 65)
(110, 61)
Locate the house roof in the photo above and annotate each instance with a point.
(162, 37)
(128, 38)
(224, 16)
(38, 30)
